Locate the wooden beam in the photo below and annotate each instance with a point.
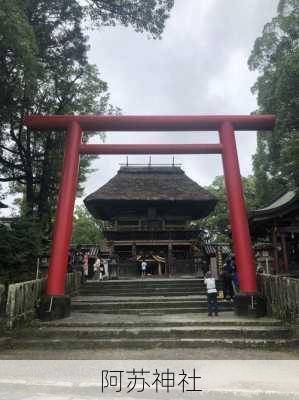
(151, 243)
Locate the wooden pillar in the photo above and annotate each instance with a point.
(159, 269)
(170, 259)
(274, 240)
(284, 252)
(134, 250)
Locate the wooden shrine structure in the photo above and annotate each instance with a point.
(148, 212)
(275, 232)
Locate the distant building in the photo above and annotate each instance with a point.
(275, 232)
(2, 205)
(148, 212)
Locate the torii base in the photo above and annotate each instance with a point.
(54, 307)
(252, 305)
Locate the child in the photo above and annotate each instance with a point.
(210, 283)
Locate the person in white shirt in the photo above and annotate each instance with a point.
(210, 283)
(143, 268)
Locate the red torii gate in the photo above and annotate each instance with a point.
(224, 124)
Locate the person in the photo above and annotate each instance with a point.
(96, 268)
(101, 269)
(228, 291)
(79, 259)
(143, 268)
(210, 283)
(235, 278)
(85, 267)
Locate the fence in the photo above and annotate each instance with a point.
(2, 299)
(282, 296)
(23, 297)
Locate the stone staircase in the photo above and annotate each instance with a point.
(151, 313)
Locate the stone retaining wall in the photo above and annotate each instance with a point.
(23, 297)
(282, 296)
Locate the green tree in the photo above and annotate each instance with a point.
(217, 223)
(143, 15)
(86, 229)
(21, 244)
(44, 70)
(55, 79)
(275, 56)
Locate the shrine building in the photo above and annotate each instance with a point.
(275, 233)
(148, 213)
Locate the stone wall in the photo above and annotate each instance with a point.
(23, 298)
(282, 296)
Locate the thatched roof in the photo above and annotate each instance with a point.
(134, 189)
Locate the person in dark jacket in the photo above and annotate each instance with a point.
(228, 290)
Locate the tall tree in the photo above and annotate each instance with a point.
(275, 56)
(217, 223)
(44, 70)
(86, 229)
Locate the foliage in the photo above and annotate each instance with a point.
(20, 245)
(55, 79)
(143, 15)
(86, 229)
(217, 225)
(44, 70)
(276, 57)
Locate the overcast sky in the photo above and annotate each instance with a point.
(199, 67)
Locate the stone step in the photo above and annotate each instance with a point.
(146, 311)
(145, 303)
(192, 332)
(150, 343)
(149, 293)
(148, 281)
(123, 305)
(135, 299)
(196, 320)
(181, 289)
(142, 285)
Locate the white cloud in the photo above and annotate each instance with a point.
(199, 67)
